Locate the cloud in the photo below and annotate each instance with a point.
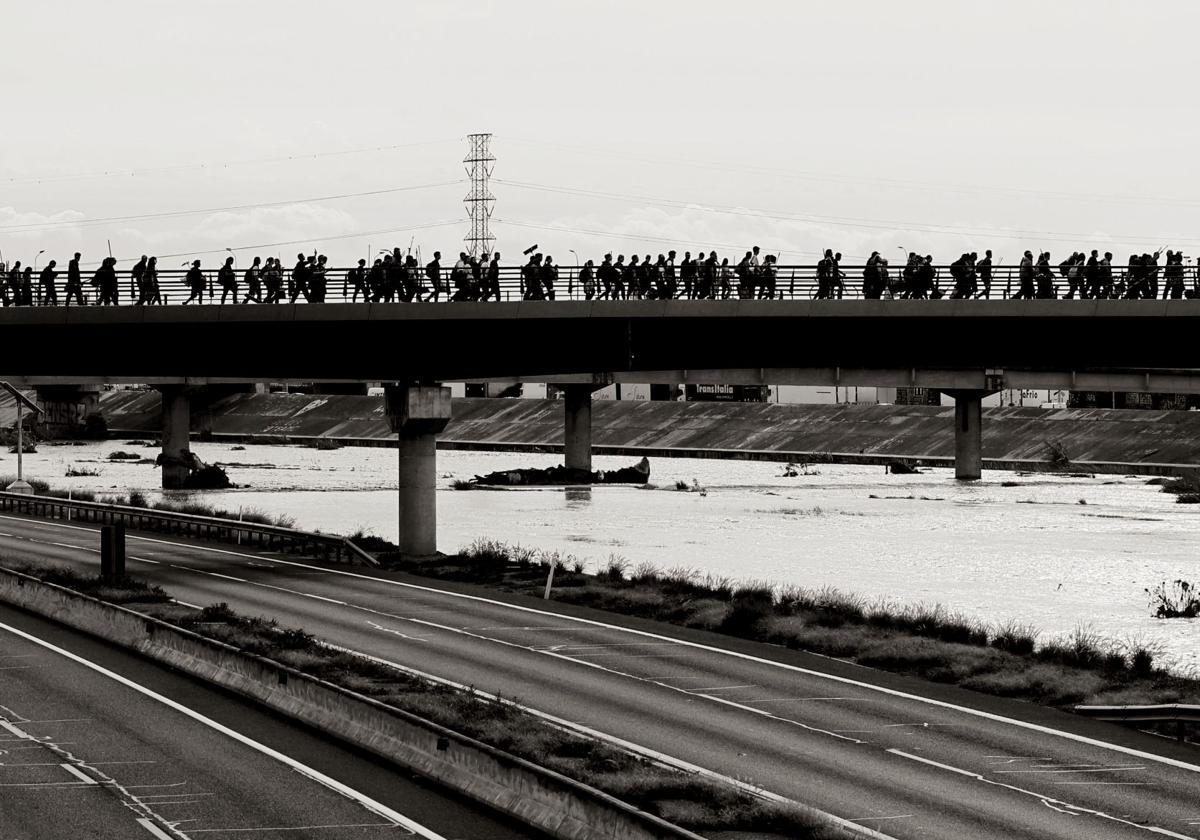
(260, 225)
(27, 224)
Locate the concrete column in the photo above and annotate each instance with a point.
(417, 413)
(577, 430)
(176, 426)
(968, 434)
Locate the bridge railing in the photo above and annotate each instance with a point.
(329, 547)
(792, 282)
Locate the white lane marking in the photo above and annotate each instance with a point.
(377, 808)
(877, 819)
(77, 773)
(154, 830)
(723, 687)
(891, 692)
(383, 629)
(552, 653)
(290, 828)
(186, 604)
(1061, 770)
(637, 749)
(1048, 801)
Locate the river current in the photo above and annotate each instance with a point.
(1055, 552)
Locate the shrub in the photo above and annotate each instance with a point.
(748, 608)
(74, 471)
(1177, 599)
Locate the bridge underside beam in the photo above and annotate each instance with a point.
(1159, 382)
(1146, 381)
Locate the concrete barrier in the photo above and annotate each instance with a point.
(549, 801)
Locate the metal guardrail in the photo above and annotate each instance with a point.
(1177, 713)
(792, 282)
(328, 547)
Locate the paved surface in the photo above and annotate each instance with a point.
(83, 754)
(855, 742)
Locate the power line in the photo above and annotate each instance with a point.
(311, 240)
(852, 179)
(864, 224)
(40, 226)
(639, 237)
(125, 173)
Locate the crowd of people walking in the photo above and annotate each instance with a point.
(399, 276)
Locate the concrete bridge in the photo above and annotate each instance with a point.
(966, 349)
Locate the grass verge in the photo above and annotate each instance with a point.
(687, 800)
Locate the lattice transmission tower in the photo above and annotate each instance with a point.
(479, 201)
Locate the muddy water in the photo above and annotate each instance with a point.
(1055, 552)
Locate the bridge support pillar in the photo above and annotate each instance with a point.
(577, 430)
(968, 433)
(176, 426)
(417, 414)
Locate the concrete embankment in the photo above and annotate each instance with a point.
(1099, 440)
(552, 803)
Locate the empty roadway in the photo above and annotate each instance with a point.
(855, 742)
(88, 749)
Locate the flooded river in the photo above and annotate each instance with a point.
(1054, 552)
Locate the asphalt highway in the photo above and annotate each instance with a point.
(904, 758)
(99, 743)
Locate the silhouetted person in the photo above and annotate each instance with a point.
(491, 279)
(12, 284)
(824, 276)
(396, 281)
(1173, 276)
(106, 279)
(1091, 276)
(629, 278)
(74, 286)
(253, 278)
(669, 279)
(687, 275)
(1026, 274)
(195, 280)
(26, 297)
(1106, 276)
(607, 274)
(984, 270)
(1044, 274)
(273, 280)
(136, 292)
(298, 280)
(46, 290)
(548, 275)
(317, 280)
(227, 280)
(433, 271)
(587, 279)
(150, 281)
(767, 277)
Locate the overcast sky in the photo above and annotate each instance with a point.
(628, 126)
